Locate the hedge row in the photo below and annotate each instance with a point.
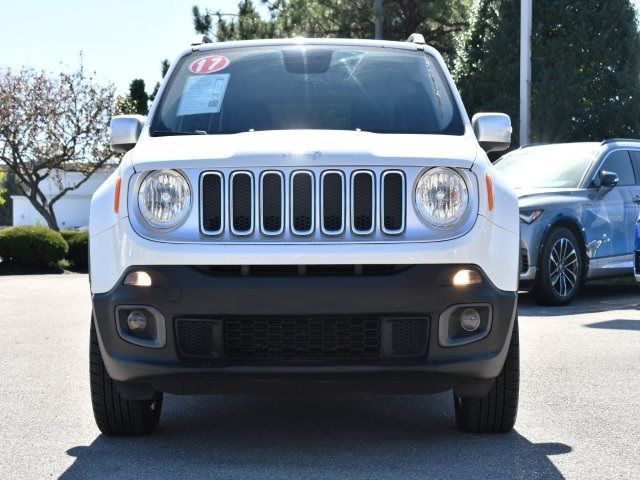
(42, 247)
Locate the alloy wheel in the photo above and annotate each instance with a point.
(563, 267)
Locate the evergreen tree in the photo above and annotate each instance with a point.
(585, 67)
(138, 97)
(164, 68)
(440, 21)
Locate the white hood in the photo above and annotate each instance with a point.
(303, 147)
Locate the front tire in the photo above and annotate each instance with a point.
(560, 269)
(114, 414)
(495, 412)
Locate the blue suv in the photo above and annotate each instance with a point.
(637, 249)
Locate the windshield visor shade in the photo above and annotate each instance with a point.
(383, 90)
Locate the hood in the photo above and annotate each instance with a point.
(533, 192)
(543, 197)
(303, 147)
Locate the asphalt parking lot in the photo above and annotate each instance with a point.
(580, 398)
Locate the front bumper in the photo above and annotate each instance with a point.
(423, 291)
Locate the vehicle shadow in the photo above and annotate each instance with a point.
(593, 298)
(302, 436)
(619, 324)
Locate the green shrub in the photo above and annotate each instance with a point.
(32, 246)
(78, 242)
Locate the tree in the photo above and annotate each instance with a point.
(440, 21)
(8, 187)
(247, 24)
(585, 64)
(50, 126)
(139, 97)
(3, 190)
(164, 68)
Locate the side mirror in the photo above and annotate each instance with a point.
(124, 131)
(608, 179)
(493, 131)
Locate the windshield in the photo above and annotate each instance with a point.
(236, 90)
(558, 166)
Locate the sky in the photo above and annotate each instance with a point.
(120, 39)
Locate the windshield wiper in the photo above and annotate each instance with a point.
(163, 133)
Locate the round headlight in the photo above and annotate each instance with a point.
(164, 198)
(442, 197)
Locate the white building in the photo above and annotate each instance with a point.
(72, 210)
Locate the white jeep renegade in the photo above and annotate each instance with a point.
(305, 215)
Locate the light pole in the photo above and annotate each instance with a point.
(526, 14)
(378, 9)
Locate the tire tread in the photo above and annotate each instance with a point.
(496, 412)
(114, 414)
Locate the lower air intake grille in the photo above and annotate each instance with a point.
(196, 337)
(408, 336)
(302, 338)
(637, 262)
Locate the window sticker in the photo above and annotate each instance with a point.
(203, 94)
(209, 64)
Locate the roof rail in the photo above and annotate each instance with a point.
(417, 38)
(200, 39)
(616, 140)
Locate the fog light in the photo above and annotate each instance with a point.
(136, 321)
(138, 279)
(470, 319)
(466, 277)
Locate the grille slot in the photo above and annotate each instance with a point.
(302, 338)
(212, 199)
(272, 203)
(393, 195)
(332, 202)
(362, 202)
(241, 203)
(302, 196)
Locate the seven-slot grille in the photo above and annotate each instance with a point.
(303, 202)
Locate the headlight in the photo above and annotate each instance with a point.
(530, 216)
(164, 198)
(442, 197)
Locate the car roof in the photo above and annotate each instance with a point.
(317, 41)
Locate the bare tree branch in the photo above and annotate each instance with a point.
(51, 126)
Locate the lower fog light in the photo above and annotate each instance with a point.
(470, 319)
(136, 321)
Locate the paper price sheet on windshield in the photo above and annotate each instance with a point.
(203, 94)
